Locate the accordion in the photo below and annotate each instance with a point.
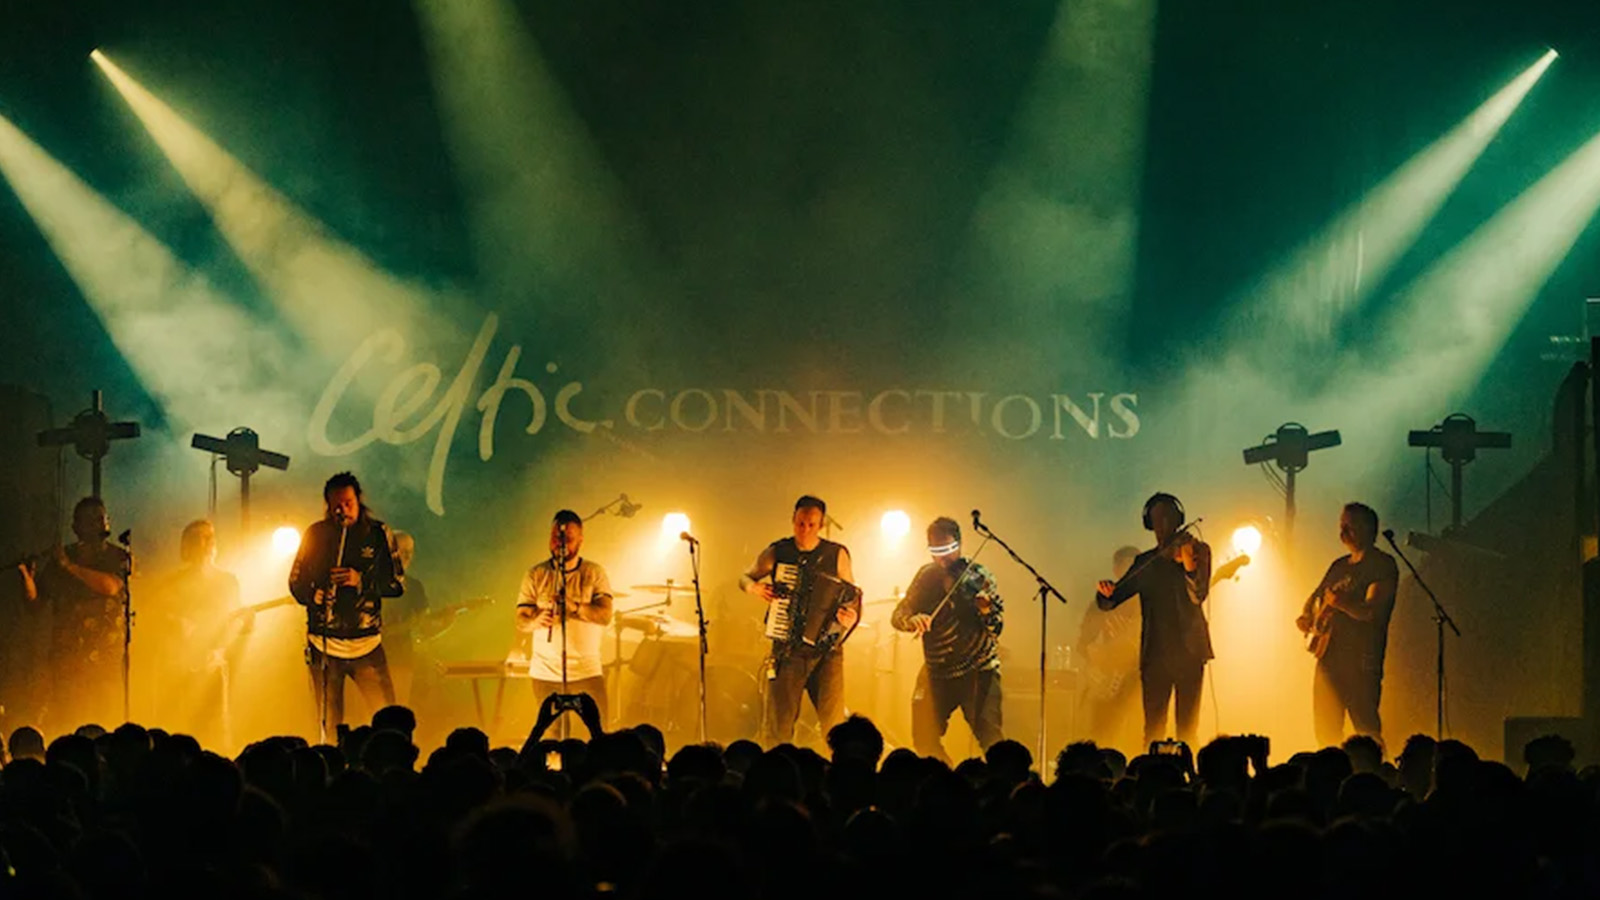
(808, 615)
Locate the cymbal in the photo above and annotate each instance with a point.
(619, 595)
(662, 588)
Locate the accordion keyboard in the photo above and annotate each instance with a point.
(780, 619)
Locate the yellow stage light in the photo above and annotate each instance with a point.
(674, 524)
(285, 541)
(896, 524)
(1247, 539)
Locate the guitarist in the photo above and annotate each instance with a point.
(1110, 647)
(1347, 619)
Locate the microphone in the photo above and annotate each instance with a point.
(686, 536)
(1388, 535)
(977, 525)
(124, 536)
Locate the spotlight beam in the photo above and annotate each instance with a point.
(1329, 276)
(325, 287)
(192, 349)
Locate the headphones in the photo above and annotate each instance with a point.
(1158, 497)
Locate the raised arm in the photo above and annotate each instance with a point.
(598, 610)
(906, 610)
(1197, 571)
(102, 584)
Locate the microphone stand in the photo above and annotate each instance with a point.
(700, 620)
(127, 630)
(327, 623)
(1441, 618)
(561, 600)
(1045, 591)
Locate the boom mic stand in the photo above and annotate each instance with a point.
(1045, 591)
(1440, 620)
(327, 623)
(561, 600)
(127, 628)
(700, 620)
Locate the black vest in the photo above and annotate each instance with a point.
(792, 568)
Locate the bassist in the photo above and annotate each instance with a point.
(1347, 623)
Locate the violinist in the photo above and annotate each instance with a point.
(954, 605)
(1171, 581)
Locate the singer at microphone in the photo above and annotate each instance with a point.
(1347, 619)
(562, 654)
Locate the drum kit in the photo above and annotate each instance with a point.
(658, 681)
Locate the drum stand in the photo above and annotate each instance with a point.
(618, 664)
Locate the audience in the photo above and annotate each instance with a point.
(142, 813)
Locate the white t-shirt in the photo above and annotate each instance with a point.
(588, 598)
(345, 648)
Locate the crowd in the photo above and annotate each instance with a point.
(136, 813)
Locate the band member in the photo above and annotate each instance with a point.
(796, 668)
(402, 617)
(960, 643)
(588, 611)
(85, 586)
(195, 607)
(1348, 618)
(1109, 643)
(1171, 580)
(341, 575)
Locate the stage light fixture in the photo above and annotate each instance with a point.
(674, 524)
(285, 541)
(1247, 540)
(896, 524)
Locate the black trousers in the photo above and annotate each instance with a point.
(370, 674)
(800, 673)
(1177, 680)
(1345, 687)
(976, 694)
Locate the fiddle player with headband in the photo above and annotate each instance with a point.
(954, 605)
(1171, 580)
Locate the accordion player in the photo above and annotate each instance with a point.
(808, 614)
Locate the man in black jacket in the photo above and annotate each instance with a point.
(1171, 581)
(342, 573)
(960, 643)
